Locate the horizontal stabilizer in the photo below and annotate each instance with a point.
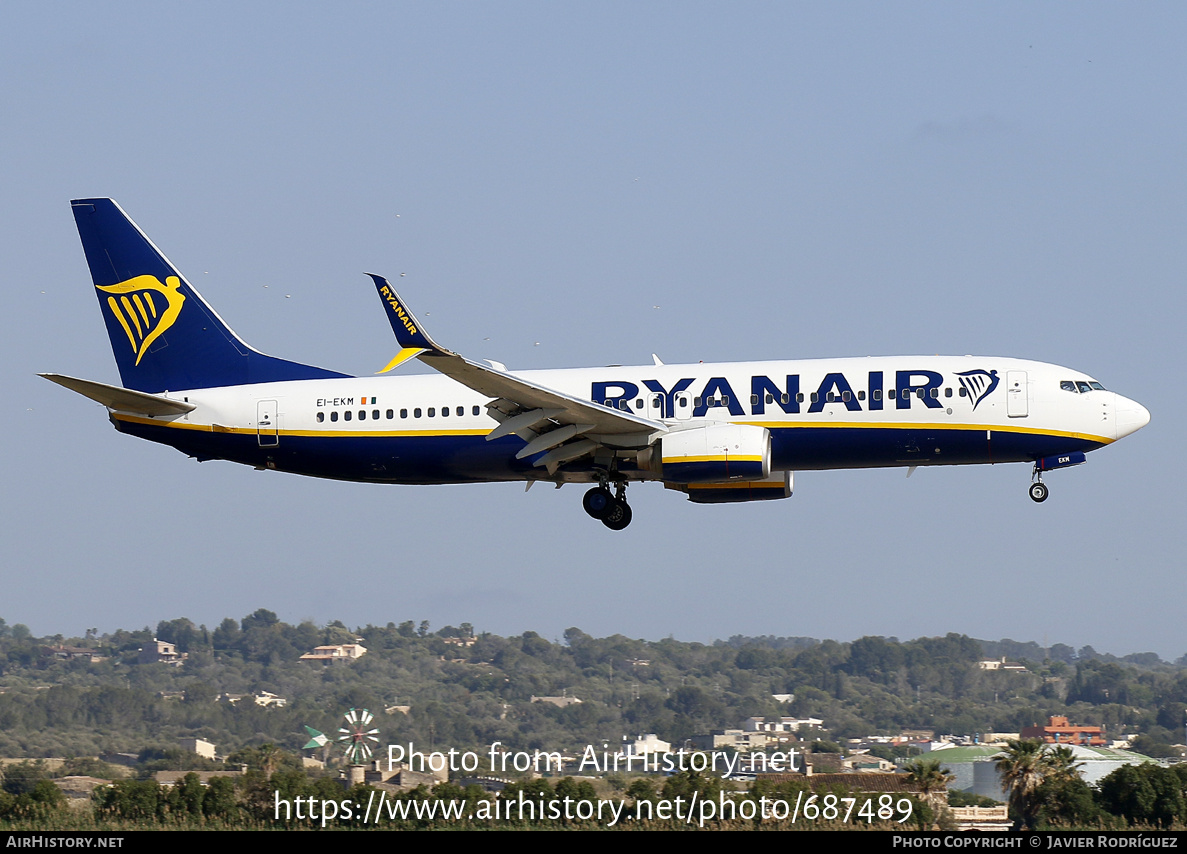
(123, 399)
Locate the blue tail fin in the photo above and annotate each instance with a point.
(163, 334)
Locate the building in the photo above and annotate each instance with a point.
(644, 745)
(335, 653)
(783, 723)
(161, 652)
(561, 702)
(200, 746)
(1059, 731)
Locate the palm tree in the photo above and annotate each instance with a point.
(1022, 766)
(929, 775)
(932, 779)
(1062, 764)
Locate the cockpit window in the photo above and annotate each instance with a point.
(1080, 386)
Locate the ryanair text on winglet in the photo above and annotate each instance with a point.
(387, 294)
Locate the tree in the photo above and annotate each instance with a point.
(1022, 766)
(929, 775)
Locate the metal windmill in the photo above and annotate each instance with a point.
(355, 735)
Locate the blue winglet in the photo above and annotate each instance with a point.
(413, 340)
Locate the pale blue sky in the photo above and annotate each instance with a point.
(783, 180)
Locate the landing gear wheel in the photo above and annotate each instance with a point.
(597, 502)
(1038, 492)
(618, 516)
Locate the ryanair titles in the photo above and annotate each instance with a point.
(397, 309)
(905, 389)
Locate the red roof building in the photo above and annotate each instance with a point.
(1059, 731)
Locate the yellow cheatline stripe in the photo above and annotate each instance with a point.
(714, 459)
(907, 425)
(249, 431)
(119, 315)
(182, 425)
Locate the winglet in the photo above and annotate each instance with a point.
(412, 338)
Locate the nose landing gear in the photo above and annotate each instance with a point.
(612, 510)
(1038, 489)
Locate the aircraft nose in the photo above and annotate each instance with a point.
(1131, 416)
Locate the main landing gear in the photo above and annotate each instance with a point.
(1038, 489)
(612, 510)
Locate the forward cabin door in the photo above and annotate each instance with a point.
(266, 427)
(1016, 394)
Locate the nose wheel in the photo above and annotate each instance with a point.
(611, 509)
(1038, 489)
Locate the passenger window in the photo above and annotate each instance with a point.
(799, 398)
(890, 394)
(921, 393)
(362, 415)
(639, 403)
(444, 411)
(375, 414)
(696, 401)
(683, 401)
(475, 410)
(815, 397)
(321, 416)
(416, 412)
(935, 392)
(461, 410)
(333, 416)
(403, 413)
(947, 392)
(784, 398)
(754, 399)
(846, 396)
(346, 415)
(964, 392)
(830, 397)
(725, 400)
(391, 413)
(861, 395)
(432, 411)
(877, 395)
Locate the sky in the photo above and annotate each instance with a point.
(565, 185)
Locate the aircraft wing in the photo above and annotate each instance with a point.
(519, 405)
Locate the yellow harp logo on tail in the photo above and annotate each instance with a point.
(144, 308)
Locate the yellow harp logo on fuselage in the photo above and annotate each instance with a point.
(145, 308)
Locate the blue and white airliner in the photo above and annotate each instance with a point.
(719, 433)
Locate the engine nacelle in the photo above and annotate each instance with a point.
(715, 454)
(778, 485)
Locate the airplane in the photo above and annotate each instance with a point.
(720, 433)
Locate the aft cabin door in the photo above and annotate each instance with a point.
(1016, 394)
(266, 427)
